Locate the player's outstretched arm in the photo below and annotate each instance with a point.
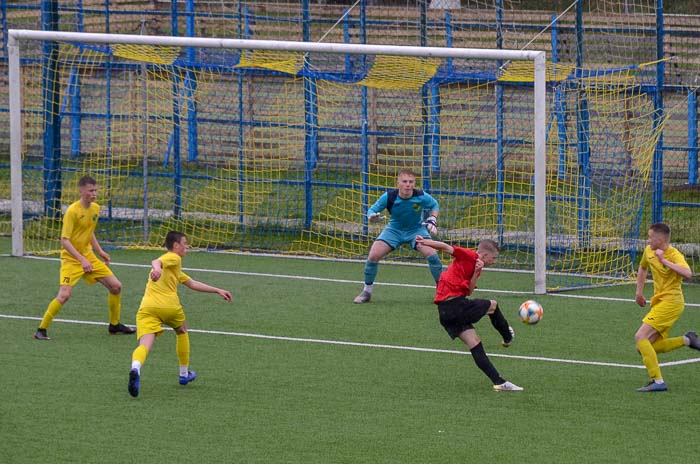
(435, 244)
(202, 287)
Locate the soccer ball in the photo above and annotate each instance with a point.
(530, 312)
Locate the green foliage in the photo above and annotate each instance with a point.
(273, 400)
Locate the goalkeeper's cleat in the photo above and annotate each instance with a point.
(191, 375)
(120, 328)
(507, 341)
(653, 387)
(693, 340)
(363, 297)
(134, 379)
(40, 334)
(507, 387)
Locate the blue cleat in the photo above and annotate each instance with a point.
(191, 375)
(653, 387)
(134, 378)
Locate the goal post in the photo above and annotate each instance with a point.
(245, 192)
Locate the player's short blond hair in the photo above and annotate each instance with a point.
(489, 245)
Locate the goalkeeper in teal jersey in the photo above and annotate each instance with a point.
(408, 207)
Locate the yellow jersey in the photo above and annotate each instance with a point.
(667, 283)
(79, 224)
(163, 292)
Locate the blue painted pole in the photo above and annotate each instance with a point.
(364, 143)
(52, 120)
(657, 170)
(584, 154)
(73, 94)
(310, 122)
(559, 103)
(243, 33)
(3, 24)
(177, 168)
(191, 87)
(693, 138)
(500, 161)
(448, 38)
(364, 174)
(432, 165)
(346, 39)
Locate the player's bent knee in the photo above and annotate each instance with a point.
(492, 307)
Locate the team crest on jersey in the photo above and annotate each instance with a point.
(94, 218)
(416, 207)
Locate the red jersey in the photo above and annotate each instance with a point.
(454, 281)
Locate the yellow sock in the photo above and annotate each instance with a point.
(663, 345)
(140, 354)
(114, 303)
(51, 312)
(182, 346)
(649, 358)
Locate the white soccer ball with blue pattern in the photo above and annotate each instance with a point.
(530, 312)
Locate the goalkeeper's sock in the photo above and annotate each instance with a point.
(435, 266)
(368, 288)
(371, 268)
(184, 370)
(484, 363)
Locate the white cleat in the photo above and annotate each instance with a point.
(507, 387)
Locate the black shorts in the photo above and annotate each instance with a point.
(458, 314)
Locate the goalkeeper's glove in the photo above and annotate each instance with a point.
(431, 225)
(375, 217)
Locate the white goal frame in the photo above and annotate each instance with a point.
(15, 36)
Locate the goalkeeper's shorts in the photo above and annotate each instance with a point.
(396, 237)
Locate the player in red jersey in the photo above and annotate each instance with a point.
(458, 313)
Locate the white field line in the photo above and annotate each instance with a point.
(379, 345)
(371, 345)
(385, 284)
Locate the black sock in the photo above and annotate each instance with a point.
(483, 362)
(498, 321)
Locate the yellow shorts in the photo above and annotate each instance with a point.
(151, 320)
(72, 271)
(663, 315)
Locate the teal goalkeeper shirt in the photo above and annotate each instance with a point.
(406, 214)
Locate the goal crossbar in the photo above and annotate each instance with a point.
(15, 36)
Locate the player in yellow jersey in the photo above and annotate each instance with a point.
(78, 260)
(668, 269)
(161, 305)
